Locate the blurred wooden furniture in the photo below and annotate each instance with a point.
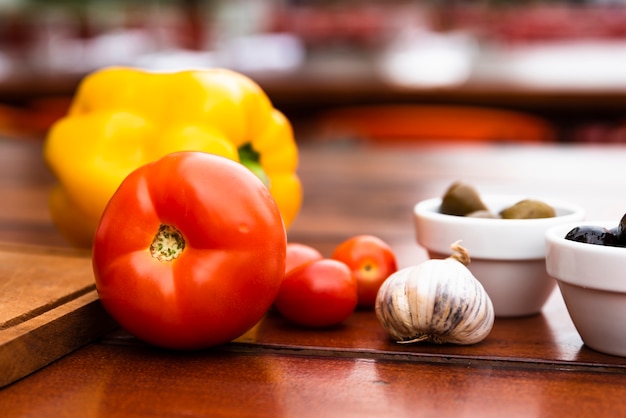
(534, 366)
(309, 91)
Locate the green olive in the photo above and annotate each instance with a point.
(528, 209)
(461, 199)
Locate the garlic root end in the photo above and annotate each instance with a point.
(417, 339)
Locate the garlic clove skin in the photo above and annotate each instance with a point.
(438, 301)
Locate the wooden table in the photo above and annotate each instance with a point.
(534, 366)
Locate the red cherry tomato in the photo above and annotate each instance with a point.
(371, 260)
(298, 254)
(319, 294)
(190, 251)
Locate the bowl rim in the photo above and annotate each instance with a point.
(428, 219)
(607, 255)
(557, 234)
(425, 208)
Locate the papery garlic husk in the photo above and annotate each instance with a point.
(438, 301)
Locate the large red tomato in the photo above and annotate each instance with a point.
(371, 260)
(319, 293)
(190, 251)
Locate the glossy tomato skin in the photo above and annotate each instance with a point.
(299, 254)
(371, 260)
(232, 264)
(318, 294)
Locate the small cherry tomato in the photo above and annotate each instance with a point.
(298, 254)
(318, 294)
(371, 260)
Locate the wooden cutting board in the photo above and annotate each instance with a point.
(48, 307)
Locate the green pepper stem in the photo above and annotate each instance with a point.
(251, 159)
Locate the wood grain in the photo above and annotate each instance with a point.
(139, 381)
(534, 366)
(48, 308)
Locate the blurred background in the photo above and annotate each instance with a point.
(554, 70)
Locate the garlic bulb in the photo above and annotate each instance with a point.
(438, 301)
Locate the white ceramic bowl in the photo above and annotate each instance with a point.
(592, 279)
(508, 255)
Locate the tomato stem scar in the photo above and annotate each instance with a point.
(168, 243)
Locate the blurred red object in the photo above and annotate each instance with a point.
(33, 119)
(420, 123)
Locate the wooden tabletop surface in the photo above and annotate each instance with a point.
(527, 367)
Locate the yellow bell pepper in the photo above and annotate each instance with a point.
(122, 118)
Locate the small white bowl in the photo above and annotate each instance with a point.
(508, 255)
(592, 279)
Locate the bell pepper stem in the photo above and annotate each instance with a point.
(251, 159)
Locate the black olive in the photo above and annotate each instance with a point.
(590, 234)
(615, 241)
(621, 231)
